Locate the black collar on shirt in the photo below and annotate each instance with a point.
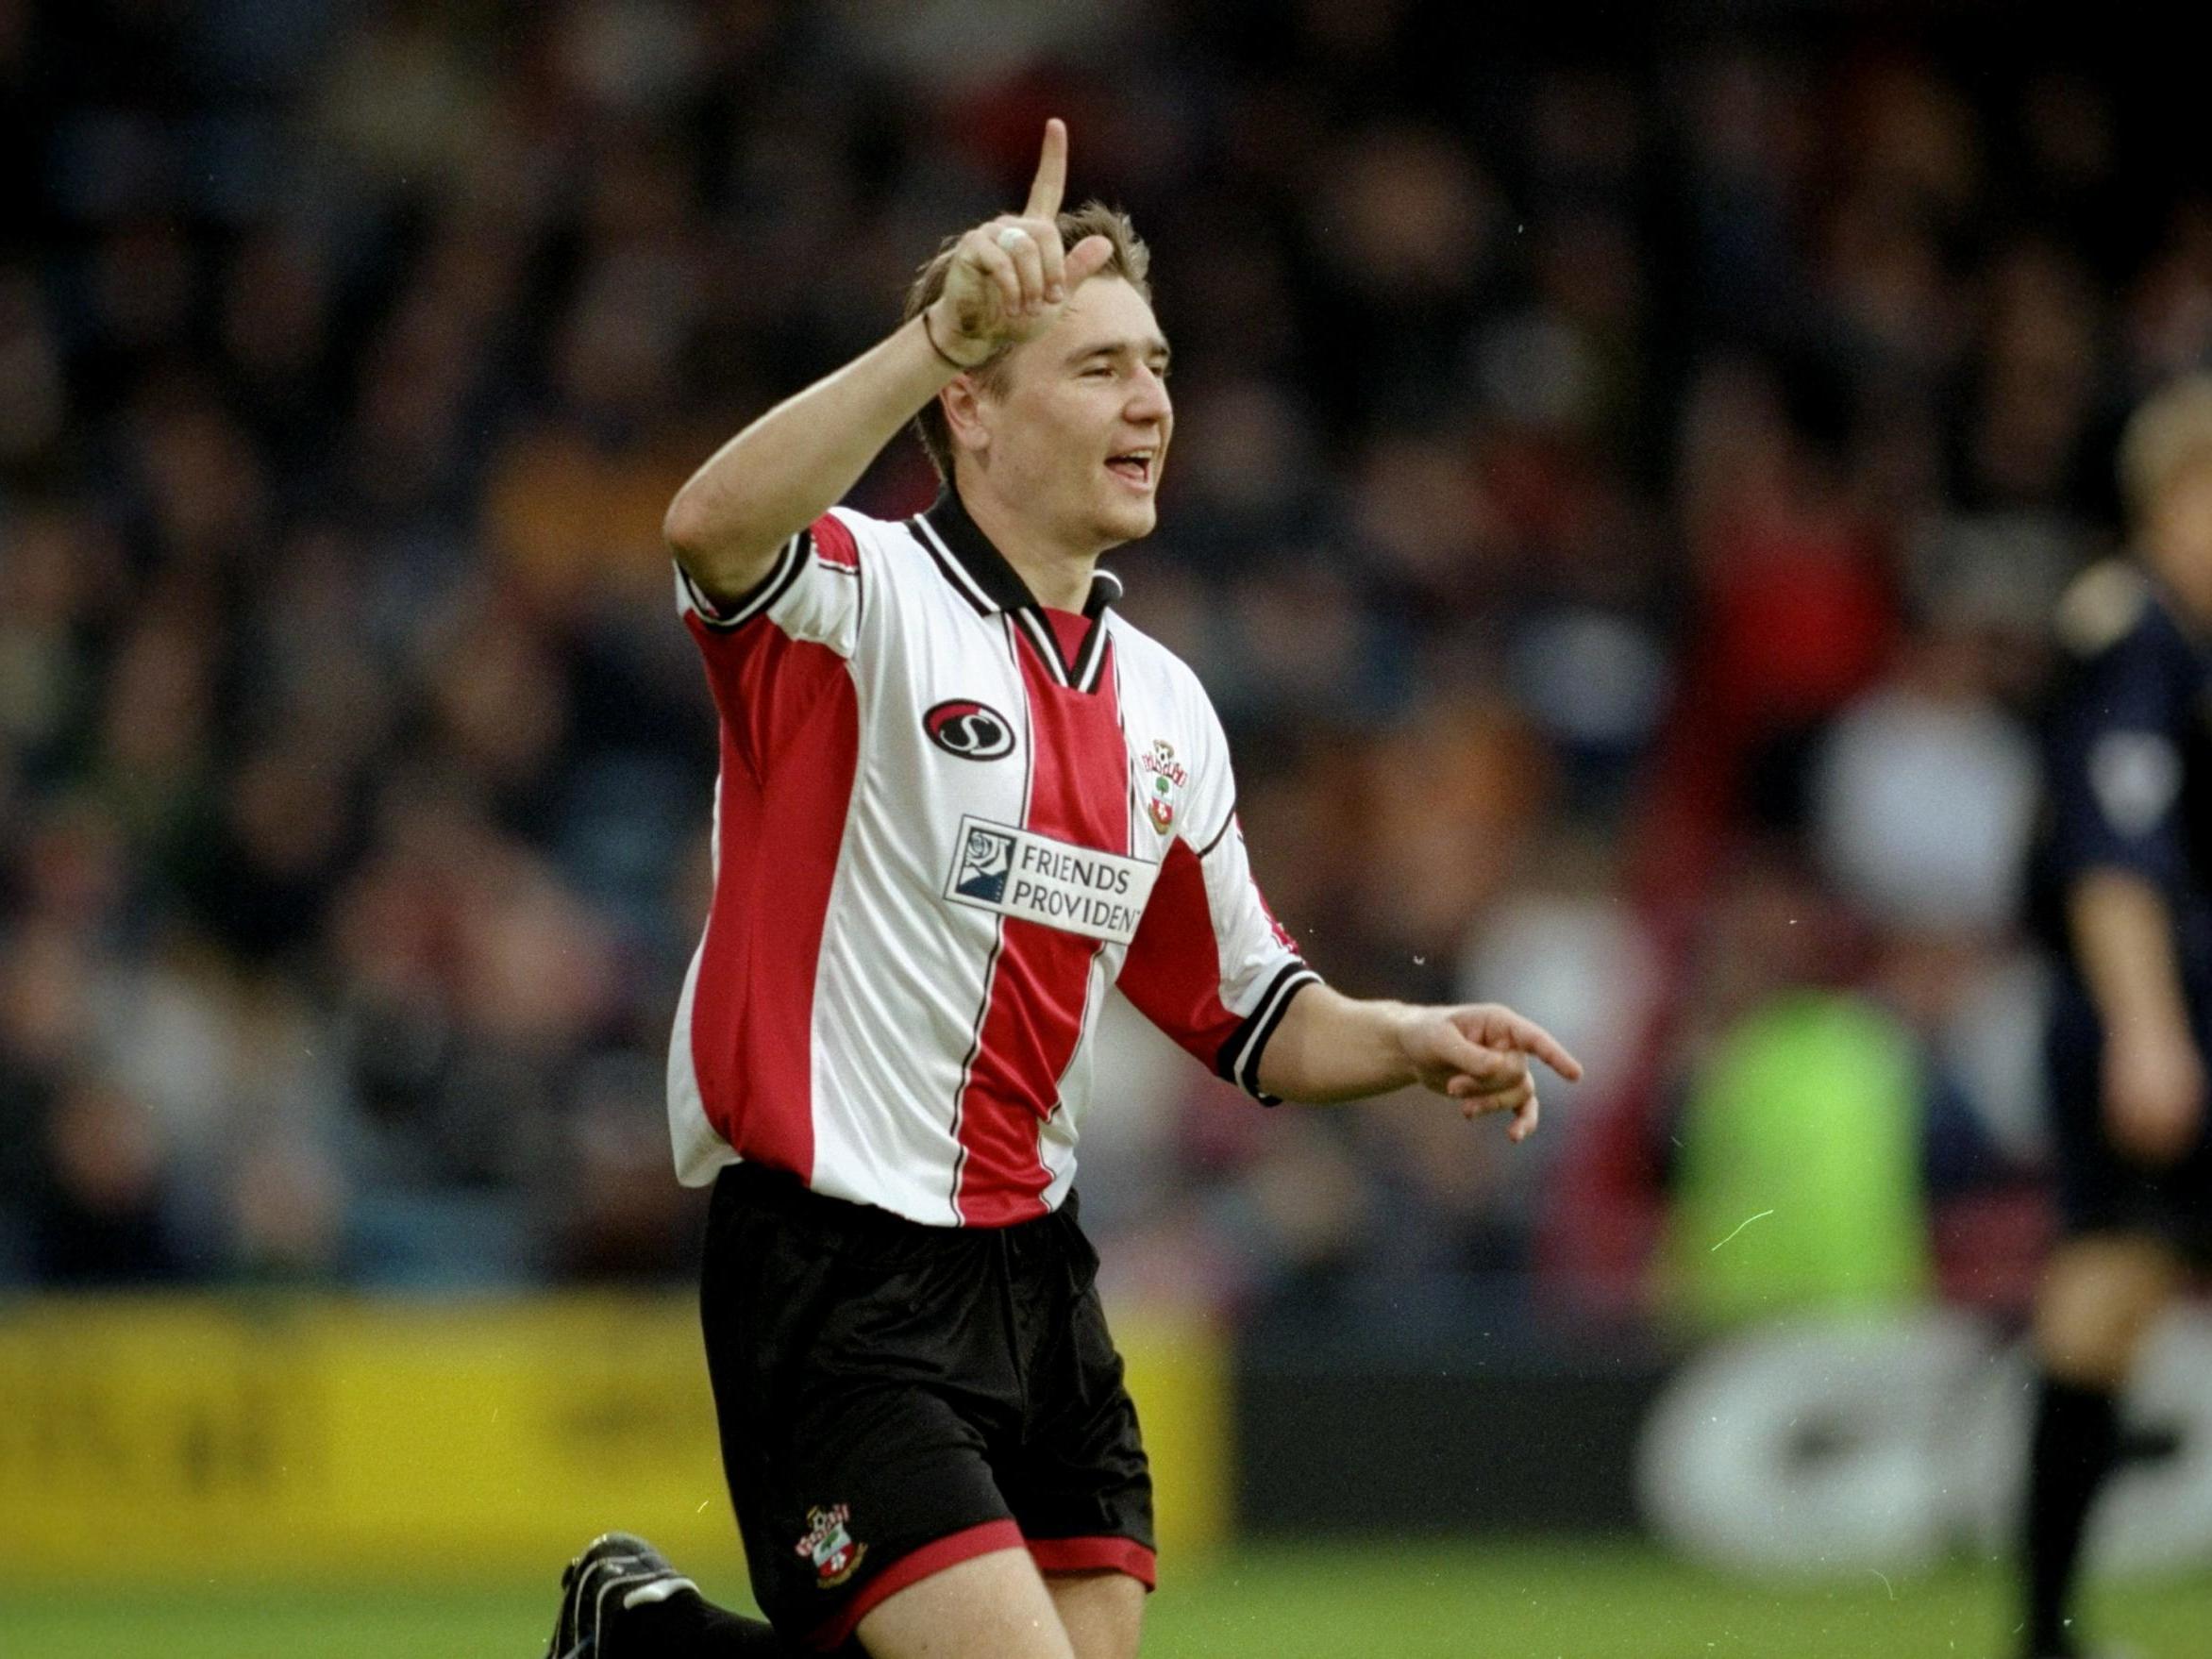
(980, 575)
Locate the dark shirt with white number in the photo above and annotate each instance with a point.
(2128, 763)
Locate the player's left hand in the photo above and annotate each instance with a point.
(1478, 1054)
(2155, 1086)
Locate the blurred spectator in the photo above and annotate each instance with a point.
(1801, 1103)
(1798, 1179)
(1563, 945)
(1924, 794)
(103, 1214)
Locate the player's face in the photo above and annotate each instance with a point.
(1080, 428)
(2181, 536)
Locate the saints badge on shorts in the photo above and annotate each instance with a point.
(829, 1547)
(1163, 777)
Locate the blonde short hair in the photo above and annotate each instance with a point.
(1131, 261)
(2170, 432)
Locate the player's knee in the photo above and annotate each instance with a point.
(2100, 1299)
(1102, 1612)
(995, 1603)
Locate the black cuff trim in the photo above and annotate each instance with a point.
(1239, 1058)
(763, 594)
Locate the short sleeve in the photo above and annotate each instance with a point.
(2114, 759)
(811, 593)
(1209, 966)
(770, 653)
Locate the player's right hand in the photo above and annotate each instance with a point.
(1009, 276)
(1478, 1054)
(2154, 1094)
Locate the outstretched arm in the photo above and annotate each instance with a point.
(2153, 1078)
(1331, 1048)
(795, 463)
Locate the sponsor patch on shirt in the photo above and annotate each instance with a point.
(1020, 873)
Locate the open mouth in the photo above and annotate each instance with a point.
(1134, 464)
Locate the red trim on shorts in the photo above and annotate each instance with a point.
(911, 1570)
(1097, 1554)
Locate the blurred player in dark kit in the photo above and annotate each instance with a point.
(2125, 895)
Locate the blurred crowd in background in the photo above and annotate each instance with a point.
(1623, 480)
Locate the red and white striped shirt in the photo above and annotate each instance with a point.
(948, 822)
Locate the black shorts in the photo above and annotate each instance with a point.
(894, 1398)
(2101, 1189)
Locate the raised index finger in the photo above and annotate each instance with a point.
(1051, 180)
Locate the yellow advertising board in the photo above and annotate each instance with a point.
(168, 1438)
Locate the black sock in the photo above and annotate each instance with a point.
(2076, 1443)
(688, 1626)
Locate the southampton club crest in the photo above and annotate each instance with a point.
(829, 1547)
(1161, 778)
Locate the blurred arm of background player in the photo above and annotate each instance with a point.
(798, 460)
(1331, 1046)
(2153, 1078)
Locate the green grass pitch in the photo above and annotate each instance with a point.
(1417, 1600)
